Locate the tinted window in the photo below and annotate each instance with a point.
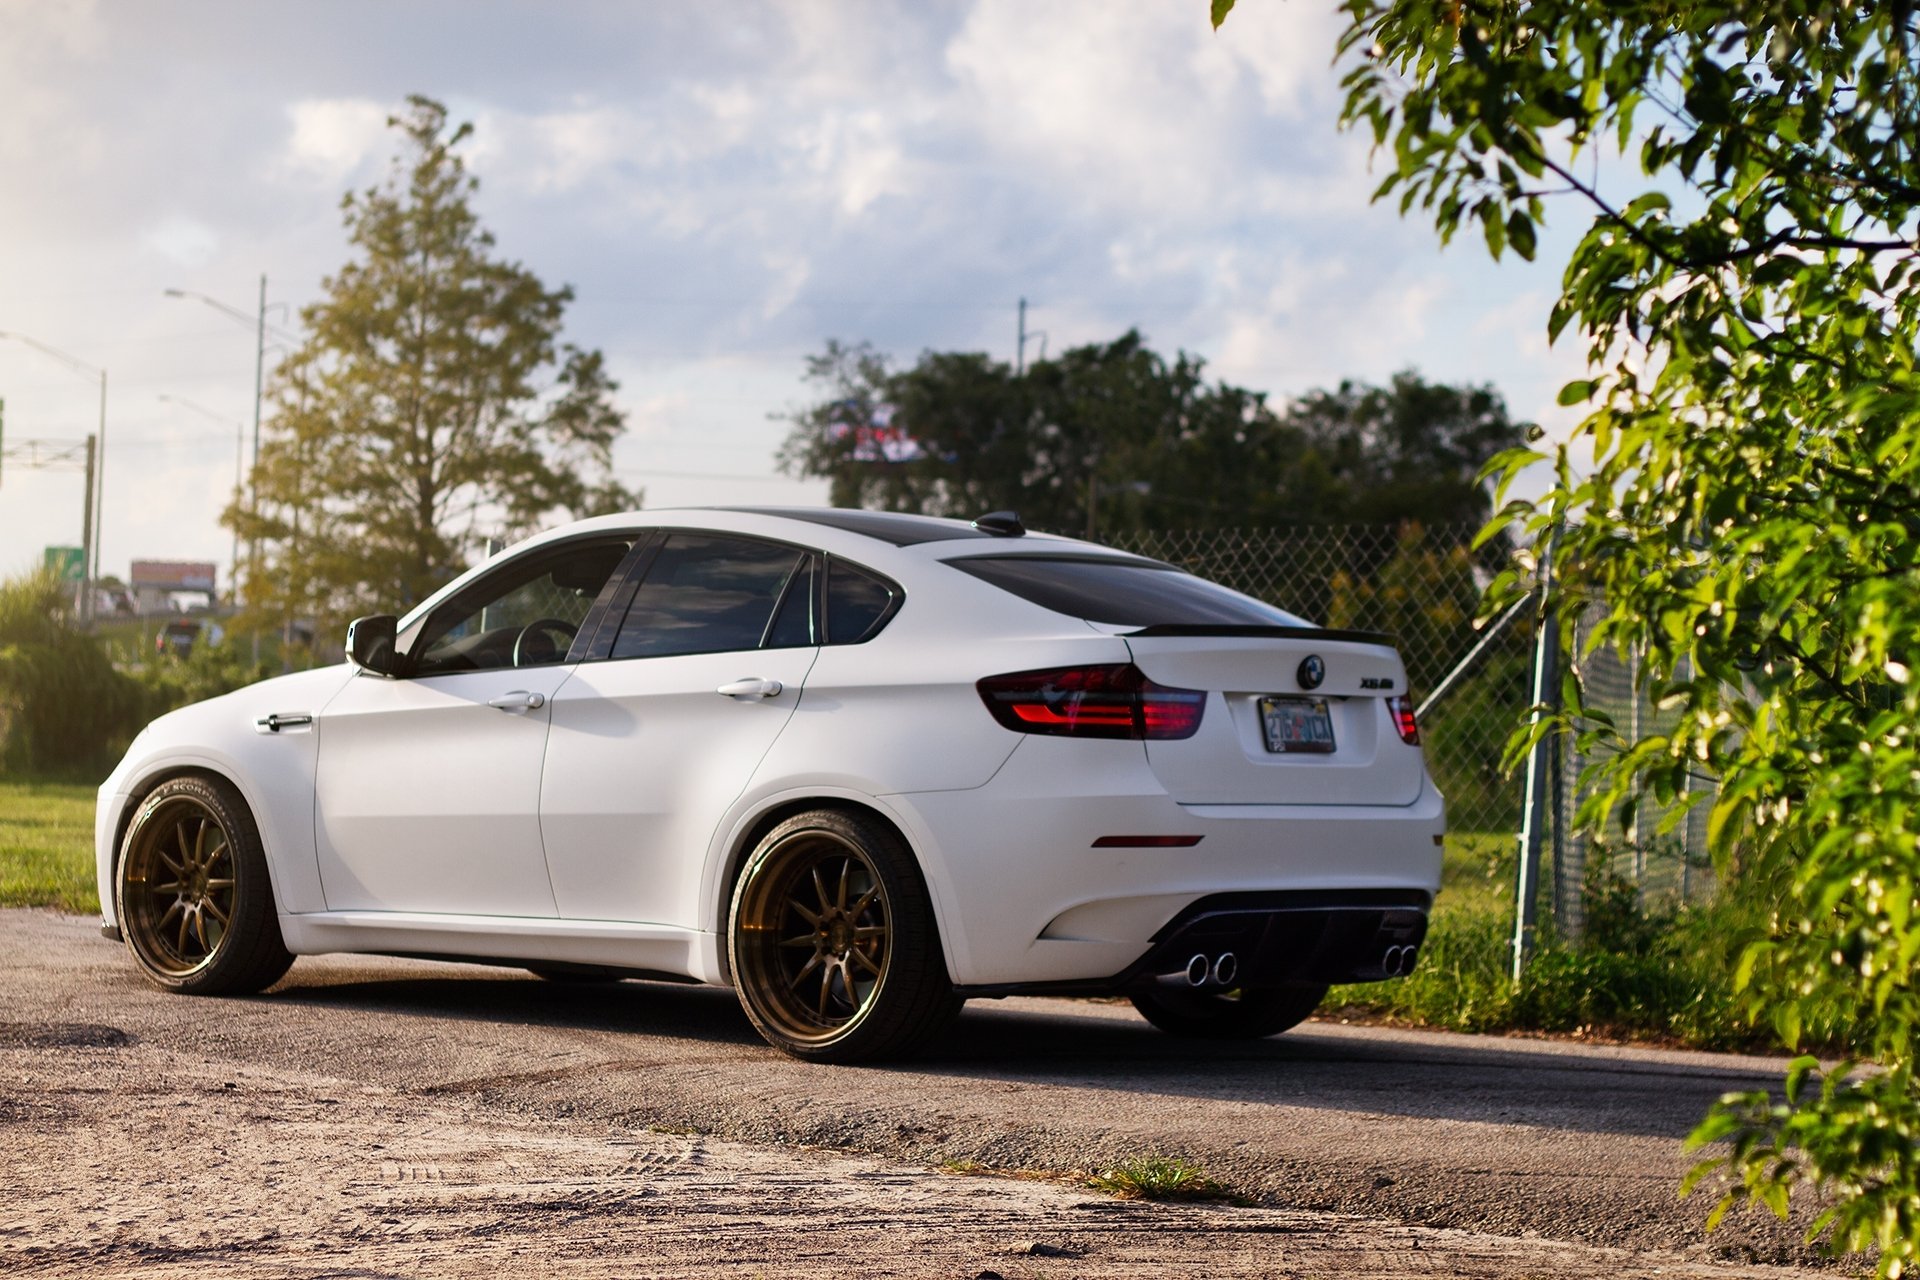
(705, 594)
(858, 603)
(526, 614)
(1134, 593)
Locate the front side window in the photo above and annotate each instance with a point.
(706, 593)
(525, 615)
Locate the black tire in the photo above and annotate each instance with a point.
(1241, 1013)
(839, 895)
(192, 895)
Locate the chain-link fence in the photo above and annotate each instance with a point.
(1419, 584)
(1659, 849)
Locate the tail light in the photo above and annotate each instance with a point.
(1116, 701)
(1401, 709)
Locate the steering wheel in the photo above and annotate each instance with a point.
(534, 645)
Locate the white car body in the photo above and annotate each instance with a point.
(601, 816)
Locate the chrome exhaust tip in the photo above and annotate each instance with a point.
(1226, 969)
(1197, 971)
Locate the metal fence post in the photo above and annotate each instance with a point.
(1533, 813)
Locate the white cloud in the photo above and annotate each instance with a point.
(790, 272)
(183, 241)
(333, 137)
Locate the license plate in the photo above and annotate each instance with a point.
(1297, 725)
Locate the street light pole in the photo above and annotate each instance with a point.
(90, 572)
(239, 464)
(259, 322)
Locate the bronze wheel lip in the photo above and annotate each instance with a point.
(814, 886)
(177, 930)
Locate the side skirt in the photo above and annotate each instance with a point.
(653, 950)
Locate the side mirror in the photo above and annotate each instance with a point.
(370, 644)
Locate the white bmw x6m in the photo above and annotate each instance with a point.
(859, 766)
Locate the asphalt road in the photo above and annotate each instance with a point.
(1514, 1138)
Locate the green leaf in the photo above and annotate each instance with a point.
(1221, 8)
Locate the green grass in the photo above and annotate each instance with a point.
(1158, 1178)
(46, 846)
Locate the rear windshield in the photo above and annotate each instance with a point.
(1132, 593)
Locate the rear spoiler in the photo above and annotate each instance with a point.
(1261, 633)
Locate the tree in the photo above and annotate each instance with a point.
(1411, 450)
(1111, 438)
(1747, 178)
(432, 405)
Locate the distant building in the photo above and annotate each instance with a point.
(159, 586)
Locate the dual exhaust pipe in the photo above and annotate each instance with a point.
(1218, 971)
(1223, 970)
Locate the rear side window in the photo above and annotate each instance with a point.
(706, 594)
(1131, 593)
(858, 603)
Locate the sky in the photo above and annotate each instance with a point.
(725, 186)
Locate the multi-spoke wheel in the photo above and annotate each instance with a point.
(191, 892)
(833, 943)
(1239, 1013)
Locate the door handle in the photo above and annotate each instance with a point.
(750, 687)
(519, 700)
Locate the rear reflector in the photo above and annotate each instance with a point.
(1401, 709)
(1146, 842)
(1111, 701)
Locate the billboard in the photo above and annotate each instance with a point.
(173, 575)
(877, 435)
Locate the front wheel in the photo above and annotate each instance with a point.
(192, 895)
(1241, 1013)
(833, 943)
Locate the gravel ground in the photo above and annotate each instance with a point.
(393, 1118)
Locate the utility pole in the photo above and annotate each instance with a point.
(88, 513)
(1020, 342)
(61, 455)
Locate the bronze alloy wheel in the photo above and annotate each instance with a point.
(192, 895)
(833, 944)
(179, 886)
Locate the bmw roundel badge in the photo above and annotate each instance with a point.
(1312, 671)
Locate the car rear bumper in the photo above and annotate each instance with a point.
(1266, 940)
(1027, 901)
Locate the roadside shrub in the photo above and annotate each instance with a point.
(1663, 974)
(64, 710)
(207, 672)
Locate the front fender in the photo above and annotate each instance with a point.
(273, 770)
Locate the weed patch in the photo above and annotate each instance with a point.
(1158, 1178)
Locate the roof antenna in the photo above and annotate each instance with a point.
(1001, 524)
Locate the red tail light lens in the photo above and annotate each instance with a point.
(1401, 709)
(1116, 701)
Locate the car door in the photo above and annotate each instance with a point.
(428, 785)
(650, 745)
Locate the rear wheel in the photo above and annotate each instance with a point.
(833, 943)
(192, 894)
(1241, 1013)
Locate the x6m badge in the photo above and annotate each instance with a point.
(1312, 671)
